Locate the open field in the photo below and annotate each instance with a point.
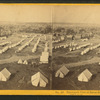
(21, 74)
(70, 82)
(77, 63)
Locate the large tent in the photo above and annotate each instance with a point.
(39, 80)
(44, 57)
(62, 72)
(4, 75)
(85, 76)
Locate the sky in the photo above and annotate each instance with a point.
(25, 13)
(77, 14)
(50, 13)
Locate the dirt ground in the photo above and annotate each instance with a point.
(70, 82)
(76, 63)
(21, 74)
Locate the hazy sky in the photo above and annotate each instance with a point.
(77, 14)
(49, 13)
(25, 13)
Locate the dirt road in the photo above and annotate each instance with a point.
(91, 61)
(15, 58)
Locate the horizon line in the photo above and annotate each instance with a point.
(48, 22)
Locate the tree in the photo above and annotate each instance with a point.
(48, 29)
(70, 32)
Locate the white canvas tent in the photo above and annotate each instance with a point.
(62, 72)
(44, 57)
(62, 38)
(25, 62)
(85, 76)
(4, 75)
(39, 80)
(34, 48)
(20, 61)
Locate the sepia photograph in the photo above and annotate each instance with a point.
(49, 47)
(25, 47)
(76, 47)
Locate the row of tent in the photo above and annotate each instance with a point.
(4, 49)
(72, 44)
(35, 46)
(72, 48)
(95, 46)
(65, 45)
(26, 44)
(16, 44)
(31, 40)
(84, 45)
(85, 51)
(89, 48)
(79, 47)
(60, 46)
(84, 76)
(10, 46)
(43, 58)
(56, 41)
(41, 80)
(20, 61)
(4, 43)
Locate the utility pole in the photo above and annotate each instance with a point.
(51, 69)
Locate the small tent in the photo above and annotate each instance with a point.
(39, 80)
(20, 61)
(4, 75)
(62, 72)
(85, 76)
(25, 62)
